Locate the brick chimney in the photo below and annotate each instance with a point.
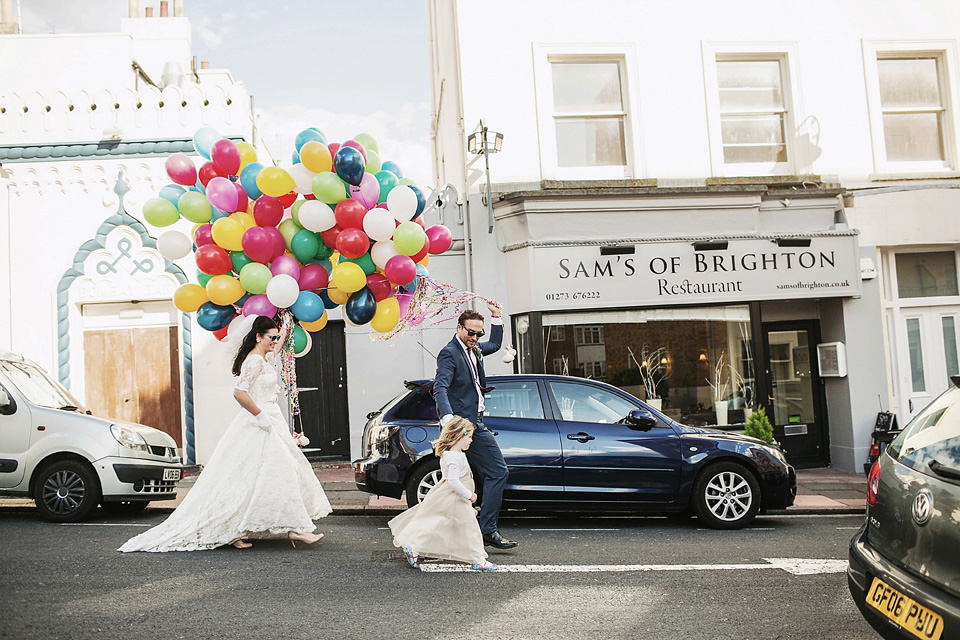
(148, 12)
(164, 9)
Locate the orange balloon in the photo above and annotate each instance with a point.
(316, 325)
(315, 156)
(338, 297)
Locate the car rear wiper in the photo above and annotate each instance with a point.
(943, 470)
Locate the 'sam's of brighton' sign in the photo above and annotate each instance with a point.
(676, 273)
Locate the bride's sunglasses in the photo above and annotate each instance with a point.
(273, 338)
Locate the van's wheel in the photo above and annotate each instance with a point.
(125, 507)
(422, 481)
(66, 491)
(726, 496)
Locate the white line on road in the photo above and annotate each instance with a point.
(101, 524)
(795, 566)
(847, 528)
(574, 529)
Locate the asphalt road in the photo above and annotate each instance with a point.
(634, 578)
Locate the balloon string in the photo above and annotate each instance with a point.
(288, 369)
(432, 303)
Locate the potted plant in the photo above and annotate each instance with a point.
(653, 372)
(745, 392)
(720, 384)
(758, 426)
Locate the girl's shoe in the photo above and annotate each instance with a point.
(306, 538)
(486, 566)
(239, 543)
(411, 558)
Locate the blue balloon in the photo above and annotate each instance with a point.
(296, 158)
(421, 201)
(172, 192)
(204, 139)
(361, 306)
(214, 317)
(349, 164)
(309, 307)
(248, 179)
(327, 302)
(393, 168)
(421, 273)
(216, 214)
(307, 135)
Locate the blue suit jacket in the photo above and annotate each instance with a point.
(453, 386)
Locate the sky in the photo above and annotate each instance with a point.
(343, 66)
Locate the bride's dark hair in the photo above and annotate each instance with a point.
(260, 326)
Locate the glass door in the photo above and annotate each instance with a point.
(928, 347)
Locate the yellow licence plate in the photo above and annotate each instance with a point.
(913, 617)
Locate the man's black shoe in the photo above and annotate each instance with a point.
(496, 540)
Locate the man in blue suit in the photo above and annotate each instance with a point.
(458, 388)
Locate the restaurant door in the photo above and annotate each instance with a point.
(795, 402)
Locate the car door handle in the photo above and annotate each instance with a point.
(580, 437)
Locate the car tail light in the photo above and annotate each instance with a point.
(873, 483)
(874, 451)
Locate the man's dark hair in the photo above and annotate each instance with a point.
(469, 314)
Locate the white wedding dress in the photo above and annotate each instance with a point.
(257, 482)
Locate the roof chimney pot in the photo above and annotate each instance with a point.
(204, 64)
(149, 12)
(164, 9)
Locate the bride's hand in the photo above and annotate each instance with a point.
(263, 421)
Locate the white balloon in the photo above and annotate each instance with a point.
(282, 291)
(402, 203)
(379, 224)
(508, 357)
(303, 178)
(383, 251)
(316, 216)
(174, 245)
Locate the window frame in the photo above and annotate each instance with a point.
(945, 53)
(624, 55)
(787, 55)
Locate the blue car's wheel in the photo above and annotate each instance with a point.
(726, 496)
(424, 478)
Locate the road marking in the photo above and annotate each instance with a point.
(574, 529)
(795, 566)
(847, 528)
(101, 524)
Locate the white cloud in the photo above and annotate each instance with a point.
(210, 38)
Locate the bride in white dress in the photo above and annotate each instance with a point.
(257, 481)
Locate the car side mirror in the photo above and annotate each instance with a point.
(641, 420)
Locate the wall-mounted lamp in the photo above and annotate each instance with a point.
(710, 245)
(485, 141)
(703, 355)
(793, 242)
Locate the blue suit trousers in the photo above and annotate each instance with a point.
(487, 461)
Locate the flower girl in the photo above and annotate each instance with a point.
(445, 525)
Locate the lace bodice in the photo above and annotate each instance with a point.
(258, 378)
(453, 466)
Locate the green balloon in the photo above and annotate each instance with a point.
(299, 339)
(374, 163)
(365, 262)
(368, 142)
(254, 277)
(322, 254)
(304, 245)
(202, 278)
(295, 211)
(288, 228)
(194, 207)
(406, 182)
(328, 188)
(160, 212)
(239, 260)
(388, 180)
(409, 238)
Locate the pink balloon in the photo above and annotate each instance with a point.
(368, 192)
(359, 147)
(257, 243)
(267, 211)
(400, 270)
(259, 305)
(285, 265)
(439, 239)
(203, 235)
(313, 277)
(225, 156)
(181, 169)
(279, 244)
(403, 300)
(379, 286)
(333, 147)
(222, 194)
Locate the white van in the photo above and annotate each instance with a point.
(68, 460)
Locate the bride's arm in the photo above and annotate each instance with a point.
(284, 334)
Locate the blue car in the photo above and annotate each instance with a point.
(577, 444)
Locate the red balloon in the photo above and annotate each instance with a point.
(439, 239)
(257, 243)
(288, 199)
(333, 146)
(207, 173)
(417, 257)
(267, 211)
(379, 286)
(352, 243)
(220, 334)
(419, 221)
(213, 260)
(329, 237)
(400, 270)
(349, 214)
(313, 277)
(225, 156)
(309, 196)
(203, 235)
(181, 169)
(242, 199)
(279, 244)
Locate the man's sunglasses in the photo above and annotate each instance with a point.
(473, 334)
(274, 338)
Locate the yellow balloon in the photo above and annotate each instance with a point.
(424, 260)
(275, 182)
(247, 154)
(315, 156)
(316, 325)
(224, 290)
(337, 296)
(245, 219)
(349, 277)
(387, 315)
(188, 297)
(228, 234)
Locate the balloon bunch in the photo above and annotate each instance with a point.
(338, 227)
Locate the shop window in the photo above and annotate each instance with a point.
(927, 274)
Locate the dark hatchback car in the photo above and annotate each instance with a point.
(578, 444)
(904, 571)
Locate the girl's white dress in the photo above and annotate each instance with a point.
(444, 525)
(256, 482)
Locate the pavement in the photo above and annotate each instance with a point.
(819, 491)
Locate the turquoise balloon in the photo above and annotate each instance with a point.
(323, 254)
(204, 139)
(365, 262)
(203, 278)
(308, 135)
(248, 180)
(172, 192)
(304, 245)
(239, 260)
(393, 168)
(388, 180)
(299, 338)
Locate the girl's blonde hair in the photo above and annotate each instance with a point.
(451, 433)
